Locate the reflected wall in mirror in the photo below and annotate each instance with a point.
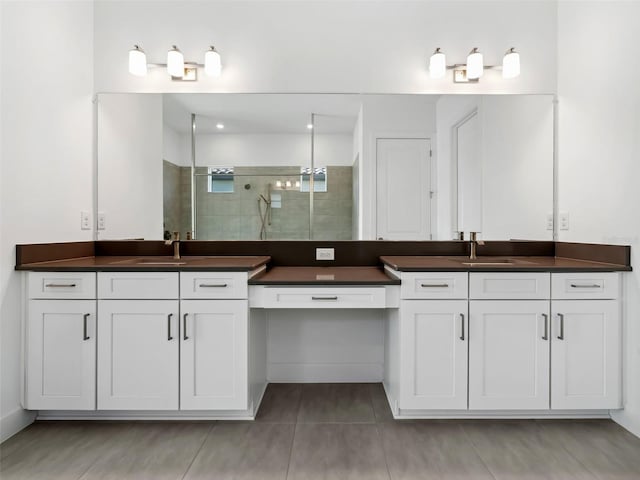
(325, 166)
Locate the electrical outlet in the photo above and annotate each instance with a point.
(102, 221)
(325, 254)
(564, 221)
(85, 221)
(550, 221)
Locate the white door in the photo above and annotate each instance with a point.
(585, 355)
(468, 162)
(61, 355)
(434, 334)
(138, 343)
(403, 188)
(213, 355)
(509, 354)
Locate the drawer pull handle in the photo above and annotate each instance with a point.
(546, 326)
(61, 285)
(212, 285)
(561, 336)
(593, 285)
(462, 324)
(184, 327)
(325, 298)
(84, 326)
(169, 337)
(434, 285)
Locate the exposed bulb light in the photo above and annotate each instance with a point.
(137, 61)
(278, 184)
(297, 183)
(175, 62)
(212, 63)
(287, 184)
(219, 126)
(437, 64)
(511, 64)
(310, 126)
(475, 64)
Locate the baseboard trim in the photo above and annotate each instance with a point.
(195, 415)
(499, 414)
(15, 421)
(627, 423)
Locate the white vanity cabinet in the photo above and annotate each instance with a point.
(586, 341)
(60, 347)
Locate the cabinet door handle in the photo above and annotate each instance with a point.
(184, 327)
(561, 336)
(546, 326)
(591, 285)
(212, 285)
(60, 285)
(462, 325)
(325, 298)
(434, 285)
(169, 337)
(84, 326)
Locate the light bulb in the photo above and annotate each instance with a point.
(212, 63)
(288, 184)
(137, 61)
(437, 64)
(297, 183)
(475, 64)
(219, 126)
(278, 184)
(175, 62)
(511, 64)
(310, 126)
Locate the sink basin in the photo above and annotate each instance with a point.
(492, 262)
(151, 261)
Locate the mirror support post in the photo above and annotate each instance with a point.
(311, 177)
(193, 176)
(556, 207)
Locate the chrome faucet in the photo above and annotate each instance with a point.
(176, 245)
(473, 245)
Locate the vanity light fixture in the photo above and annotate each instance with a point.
(474, 68)
(176, 66)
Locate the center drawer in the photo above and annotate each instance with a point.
(323, 297)
(232, 285)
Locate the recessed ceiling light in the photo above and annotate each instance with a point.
(309, 126)
(219, 126)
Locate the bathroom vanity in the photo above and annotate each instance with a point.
(122, 330)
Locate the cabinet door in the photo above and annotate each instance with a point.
(585, 355)
(434, 355)
(61, 355)
(213, 355)
(138, 343)
(509, 355)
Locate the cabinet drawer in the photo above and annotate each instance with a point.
(443, 285)
(138, 285)
(213, 285)
(72, 285)
(509, 285)
(300, 297)
(571, 286)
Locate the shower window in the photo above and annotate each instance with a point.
(221, 180)
(319, 179)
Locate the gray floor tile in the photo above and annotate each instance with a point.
(280, 403)
(430, 450)
(154, 451)
(337, 451)
(336, 403)
(519, 450)
(604, 447)
(60, 451)
(244, 450)
(380, 403)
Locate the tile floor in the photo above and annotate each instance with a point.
(323, 431)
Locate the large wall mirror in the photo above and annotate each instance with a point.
(325, 166)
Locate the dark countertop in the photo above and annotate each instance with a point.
(325, 276)
(150, 264)
(519, 264)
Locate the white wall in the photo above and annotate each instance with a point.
(130, 152)
(272, 149)
(46, 170)
(599, 145)
(326, 46)
(176, 146)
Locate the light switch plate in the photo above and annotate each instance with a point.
(85, 221)
(550, 221)
(564, 221)
(102, 221)
(325, 254)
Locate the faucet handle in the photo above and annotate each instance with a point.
(176, 236)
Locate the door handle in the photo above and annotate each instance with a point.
(184, 327)
(212, 285)
(434, 285)
(60, 285)
(84, 326)
(546, 326)
(169, 337)
(561, 336)
(324, 298)
(592, 285)
(462, 325)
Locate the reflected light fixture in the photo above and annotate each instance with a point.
(437, 64)
(219, 126)
(175, 62)
(310, 126)
(212, 63)
(511, 64)
(475, 64)
(137, 62)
